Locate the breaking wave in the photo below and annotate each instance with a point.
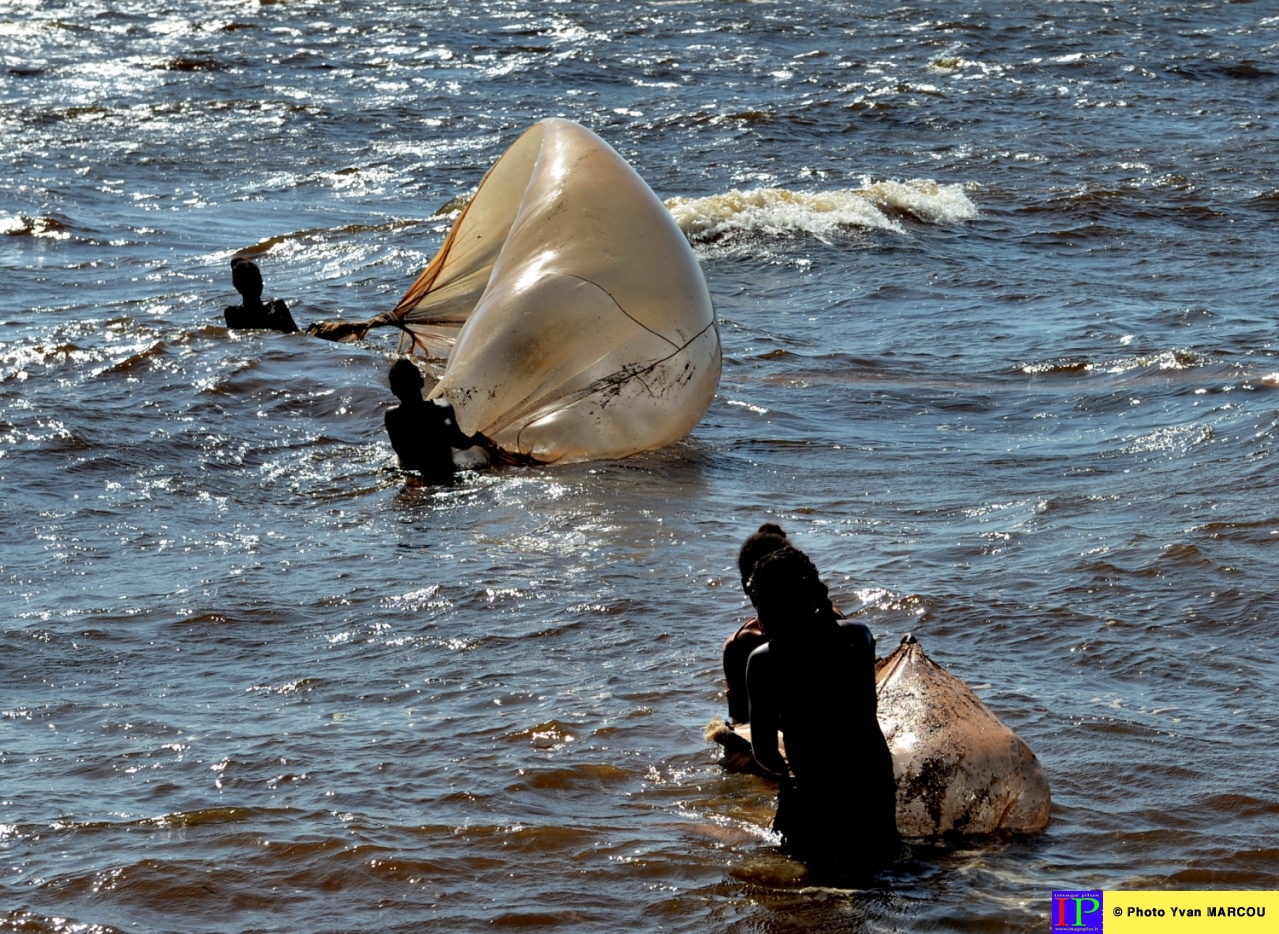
(880, 205)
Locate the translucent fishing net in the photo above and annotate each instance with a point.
(574, 315)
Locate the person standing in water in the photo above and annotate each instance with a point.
(252, 312)
(423, 433)
(750, 635)
(815, 681)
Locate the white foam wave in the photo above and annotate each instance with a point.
(19, 224)
(880, 205)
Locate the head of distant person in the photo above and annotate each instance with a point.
(766, 539)
(247, 279)
(406, 380)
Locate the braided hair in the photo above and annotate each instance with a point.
(768, 537)
(787, 576)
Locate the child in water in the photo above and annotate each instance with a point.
(423, 433)
(253, 313)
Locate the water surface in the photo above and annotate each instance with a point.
(996, 288)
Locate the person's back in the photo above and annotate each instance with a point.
(826, 688)
(423, 433)
(420, 434)
(267, 316)
(815, 682)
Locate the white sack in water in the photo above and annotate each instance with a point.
(959, 768)
(572, 309)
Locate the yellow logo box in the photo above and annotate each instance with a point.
(1202, 912)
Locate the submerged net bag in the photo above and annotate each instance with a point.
(574, 315)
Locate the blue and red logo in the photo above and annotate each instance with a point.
(1077, 913)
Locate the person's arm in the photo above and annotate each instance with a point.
(861, 642)
(280, 318)
(452, 430)
(461, 440)
(737, 649)
(764, 715)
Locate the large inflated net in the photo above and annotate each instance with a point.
(573, 312)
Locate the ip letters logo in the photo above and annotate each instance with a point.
(1077, 912)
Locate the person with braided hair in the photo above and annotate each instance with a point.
(815, 681)
(749, 635)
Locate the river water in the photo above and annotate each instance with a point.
(996, 285)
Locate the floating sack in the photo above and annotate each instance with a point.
(573, 312)
(959, 769)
